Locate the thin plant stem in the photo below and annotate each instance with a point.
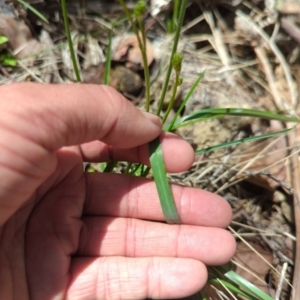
(186, 99)
(70, 42)
(142, 46)
(175, 14)
(108, 59)
(145, 62)
(174, 49)
(172, 100)
(146, 172)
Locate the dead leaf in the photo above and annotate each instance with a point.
(19, 37)
(267, 157)
(126, 49)
(249, 260)
(124, 80)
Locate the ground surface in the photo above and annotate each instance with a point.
(250, 51)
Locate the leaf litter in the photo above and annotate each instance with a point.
(250, 54)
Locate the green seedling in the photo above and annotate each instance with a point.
(7, 59)
(3, 39)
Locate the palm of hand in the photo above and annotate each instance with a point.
(42, 236)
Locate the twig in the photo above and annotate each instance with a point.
(38, 79)
(295, 175)
(257, 253)
(4, 72)
(274, 247)
(279, 103)
(278, 54)
(281, 280)
(290, 28)
(218, 42)
(192, 23)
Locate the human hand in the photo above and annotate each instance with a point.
(66, 234)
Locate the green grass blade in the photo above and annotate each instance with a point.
(205, 114)
(232, 288)
(162, 184)
(70, 42)
(186, 99)
(246, 285)
(108, 59)
(3, 39)
(110, 166)
(175, 14)
(241, 141)
(35, 11)
(138, 170)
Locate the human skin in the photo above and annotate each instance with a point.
(67, 234)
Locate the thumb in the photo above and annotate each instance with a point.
(64, 115)
(39, 119)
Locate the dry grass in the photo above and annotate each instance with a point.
(250, 62)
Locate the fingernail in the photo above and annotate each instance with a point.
(153, 118)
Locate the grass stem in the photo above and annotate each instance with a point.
(173, 97)
(174, 49)
(69, 38)
(142, 45)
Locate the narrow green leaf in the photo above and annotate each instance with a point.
(110, 166)
(231, 288)
(246, 285)
(3, 39)
(205, 114)
(186, 99)
(162, 184)
(175, 14)
(35, 11)
(8, 60)
(137, 170)
(241, 141)
(102, 166)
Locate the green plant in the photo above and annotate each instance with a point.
(219, 276)
(6, 59)
(69, 38)
(233, 282)
(136, 20)
(3, 39)
(172, 21)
